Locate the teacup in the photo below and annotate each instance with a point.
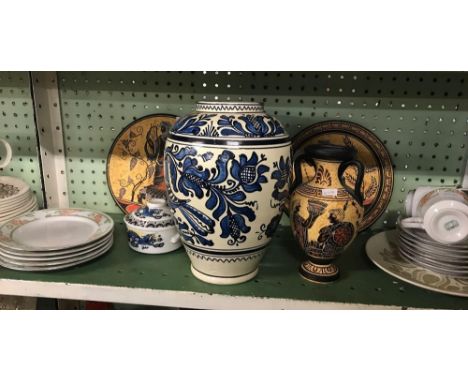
(443, 214)
(414, 197)
(8, 153)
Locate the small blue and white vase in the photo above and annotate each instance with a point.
(227, 171)
(151, 229)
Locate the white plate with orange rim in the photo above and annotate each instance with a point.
(66, 264)
(54, 229)
(54, 255)
(382, 250)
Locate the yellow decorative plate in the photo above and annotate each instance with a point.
(378, 177)
(135, 165)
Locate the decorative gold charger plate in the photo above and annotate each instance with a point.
(135, 164)
(382, 250)
(378, 177)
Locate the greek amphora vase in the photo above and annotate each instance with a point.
(325, 212)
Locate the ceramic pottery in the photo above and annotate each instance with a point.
(135, 164)
(152, 229)
(227, 174)
(325, 212)
(377, 184)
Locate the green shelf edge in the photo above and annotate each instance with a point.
(361, 283)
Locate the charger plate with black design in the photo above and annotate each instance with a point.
(378, 177)
(382, 250)
(135, 164)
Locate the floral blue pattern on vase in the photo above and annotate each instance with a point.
(281, 175)
(226, 175)
(225, 198)
(228, 125)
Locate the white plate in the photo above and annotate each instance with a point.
(20, 213)
(437, 252)
(435, 268)
(15, 182)
(382, 250)
(20, 210)
(55, 254)
(54, 229)
(421, 236)
(40, 260)
(411, 254)
(13, 203)
(84, 259)
(449, 261)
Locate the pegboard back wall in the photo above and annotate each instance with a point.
(421, 117)
(17, 126)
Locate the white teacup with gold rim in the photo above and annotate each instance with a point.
(443, 214)
(6, 153)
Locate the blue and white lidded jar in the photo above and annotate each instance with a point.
(151, 229)
(227, 171)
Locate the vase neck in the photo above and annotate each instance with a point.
(230, 107)
(326, 174)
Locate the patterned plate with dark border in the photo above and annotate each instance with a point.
(135, 164)
(378, 178)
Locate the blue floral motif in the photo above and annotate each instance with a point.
(192, 124)
(280, 193)
(147, 212)
(281, 175)
(225, 196)
(145, 241)
(253, 126)
(200, 224)
(249, 172)
(269, 230)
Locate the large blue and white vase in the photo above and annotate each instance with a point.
(227, 173)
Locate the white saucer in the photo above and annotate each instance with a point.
(55, 254)
(20, 210)
(54, 229)
(84, 259)
(16, 202)
(40, 260)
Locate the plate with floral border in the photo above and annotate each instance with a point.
(378, 176)
(135, 164)
(382, 250)
(65, 264)
(55, 229)
(45, 255)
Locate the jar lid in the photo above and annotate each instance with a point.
(156, 214)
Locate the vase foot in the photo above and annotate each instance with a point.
(223, 280)
(319, 273)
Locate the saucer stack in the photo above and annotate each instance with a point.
(53, 239)
(416, 246)
(16, 198)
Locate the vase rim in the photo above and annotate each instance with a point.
(230, 106)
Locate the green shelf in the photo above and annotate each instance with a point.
(125, 276)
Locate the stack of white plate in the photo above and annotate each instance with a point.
(416, 246)
(16, 198)
(53, 239)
